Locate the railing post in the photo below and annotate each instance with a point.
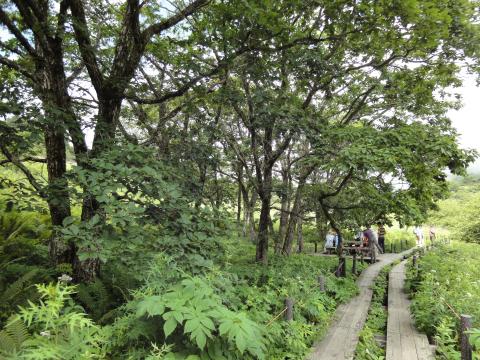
(289, 311)
(465, 347)
(415, 264)
(342, 267)
(321, 283)
(354, 263)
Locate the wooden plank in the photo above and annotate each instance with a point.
(341, 339)
(404, 342)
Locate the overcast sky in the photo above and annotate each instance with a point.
(467, 120)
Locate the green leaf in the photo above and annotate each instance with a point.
(169, 326)
(151, 305)
(240, 342)
(68, 221)
(201, 340)
(191, 325)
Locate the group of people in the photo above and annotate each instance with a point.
(367, 236)
(375, 239)
(432, 233)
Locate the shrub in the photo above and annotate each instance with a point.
(447, 285)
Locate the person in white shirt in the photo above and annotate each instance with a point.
(329, 240)
(419, 234)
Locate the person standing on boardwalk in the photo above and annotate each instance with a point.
(381, 236)
(372, 242)
(419, 234)
(432, 233)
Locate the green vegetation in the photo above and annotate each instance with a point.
(368, 347)
(446, 286)
(460, 212)
(230, 310)
(399, 239)
(163, 164)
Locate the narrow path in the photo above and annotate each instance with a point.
(342, 336)
(404, 342)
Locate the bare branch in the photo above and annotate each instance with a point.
(82, 36)
(157, 28)
(5, 20)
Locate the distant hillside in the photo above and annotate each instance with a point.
(460, 213)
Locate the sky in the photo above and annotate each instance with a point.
(467, 119)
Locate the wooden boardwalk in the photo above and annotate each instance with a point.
(342, 336)
(404, 342)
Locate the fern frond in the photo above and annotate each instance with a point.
(17, 287)
(7, 343)
(14, 233)
(17, 330)
(94, 297)
(13, 335)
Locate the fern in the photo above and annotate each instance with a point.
(94, 297)
(12, 336)
(14, 289)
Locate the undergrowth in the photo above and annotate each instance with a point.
(233, 309)
(368, 347)
(447, 285)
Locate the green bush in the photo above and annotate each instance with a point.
(397, 239)
(23, 258)
(54, 328)
(447, 285)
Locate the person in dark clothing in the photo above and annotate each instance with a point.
(381, 236)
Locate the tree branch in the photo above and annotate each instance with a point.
(157, 28)
(82, 36)
(5, 20)
(340, 186)
(31, 179)
(13, 65)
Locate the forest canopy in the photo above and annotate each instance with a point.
(140, 139)
(334, 108)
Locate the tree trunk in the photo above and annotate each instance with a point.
(284, 209)
(270, 227)
(300, 233)
(248, 219)
(239, 196)
(108, 114)
(263, 225)
(322, 227)
(262, 242)
(246, 212)
(294, 216)
(58, 196)
(53, 93)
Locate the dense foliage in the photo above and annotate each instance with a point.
(229, 312)
(446, 286)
